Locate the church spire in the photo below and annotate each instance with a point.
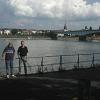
(65, 27)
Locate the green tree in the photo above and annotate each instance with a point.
(52, 35)
(14, 31)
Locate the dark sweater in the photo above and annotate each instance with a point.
(22, 51)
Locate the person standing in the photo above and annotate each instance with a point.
(8, 55)
(22, 55)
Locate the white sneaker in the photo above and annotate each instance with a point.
(13, 75)
(7, 76)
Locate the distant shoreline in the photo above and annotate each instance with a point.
(47, 38)
(25, 38)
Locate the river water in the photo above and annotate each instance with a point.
(39, 48)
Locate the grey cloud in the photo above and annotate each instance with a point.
(53, 17)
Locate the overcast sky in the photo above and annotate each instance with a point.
(49, 14)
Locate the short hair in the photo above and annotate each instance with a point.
(10, 44)
(22, 41)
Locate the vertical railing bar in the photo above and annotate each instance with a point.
(42, 65)
(92, 60)
(60, 67)
(78, 61)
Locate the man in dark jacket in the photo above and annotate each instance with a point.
(22, 55)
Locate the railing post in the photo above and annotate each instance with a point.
(92, 60)
(42, 65)
(60, 67)
(78, 61)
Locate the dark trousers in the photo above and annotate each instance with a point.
(23, 59)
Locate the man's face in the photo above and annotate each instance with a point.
(10, 45)
(22, 43)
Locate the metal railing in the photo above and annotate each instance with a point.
(58, 62)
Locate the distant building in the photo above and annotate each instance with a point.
(60, 35)
(1, 32)
(34, 31)
(65, 28)
(86, 28)
(7, 32)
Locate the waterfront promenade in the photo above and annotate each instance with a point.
(59, 85)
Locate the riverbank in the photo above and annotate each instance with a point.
(47, 38)
(26, 38)
(66, 38)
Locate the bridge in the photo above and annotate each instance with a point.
(81, 32)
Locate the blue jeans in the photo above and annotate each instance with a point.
(9, 67)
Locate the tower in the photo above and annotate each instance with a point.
(65, 27)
